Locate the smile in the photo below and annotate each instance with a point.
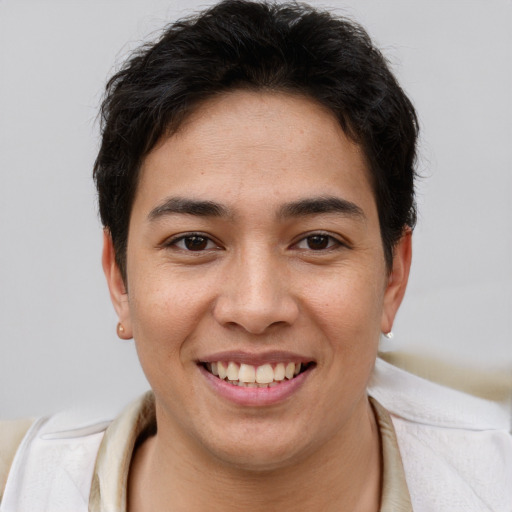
(255, 376)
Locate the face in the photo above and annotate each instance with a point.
(256, 282)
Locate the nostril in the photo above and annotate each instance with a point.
(255, 310)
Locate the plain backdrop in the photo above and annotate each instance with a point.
(57, 326)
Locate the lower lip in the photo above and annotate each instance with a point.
(253, 397)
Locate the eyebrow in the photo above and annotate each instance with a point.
(300, 208)
(324, 204)
(181, 205)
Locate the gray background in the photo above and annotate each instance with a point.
(57, 326)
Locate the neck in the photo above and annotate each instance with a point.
(345, 474)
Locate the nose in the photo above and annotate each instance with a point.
(256, 295)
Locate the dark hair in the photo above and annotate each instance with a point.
(272, 46)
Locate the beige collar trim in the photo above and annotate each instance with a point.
(110, 478)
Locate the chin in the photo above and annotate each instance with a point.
(259, 448)
(257, 459)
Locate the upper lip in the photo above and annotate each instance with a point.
(256, 358)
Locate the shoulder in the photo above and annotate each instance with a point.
(11, 435)
(451, 468)
(456, 448)
(53, 458)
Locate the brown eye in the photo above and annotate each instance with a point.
(318, 242)
(195, 243)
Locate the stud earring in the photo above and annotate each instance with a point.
(120, 330)
(389, 335)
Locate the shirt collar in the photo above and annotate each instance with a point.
(110, 478)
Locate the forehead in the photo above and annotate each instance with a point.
(260, 145)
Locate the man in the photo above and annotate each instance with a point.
(255, 182)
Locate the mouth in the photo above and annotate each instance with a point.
(266, 375)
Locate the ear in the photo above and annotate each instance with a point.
(397, 280)
(116, 286)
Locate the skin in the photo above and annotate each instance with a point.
(258, 282)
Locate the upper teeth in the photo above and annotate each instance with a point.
(247, 373)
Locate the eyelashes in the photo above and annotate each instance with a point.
(193, 242)
(318, 242)
(197, 242)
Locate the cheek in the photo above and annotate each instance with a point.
(164, 315)
(348, 309)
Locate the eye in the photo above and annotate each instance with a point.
(193, 242)
(318, 242)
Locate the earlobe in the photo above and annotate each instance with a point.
(397, 280)
(116, 286)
